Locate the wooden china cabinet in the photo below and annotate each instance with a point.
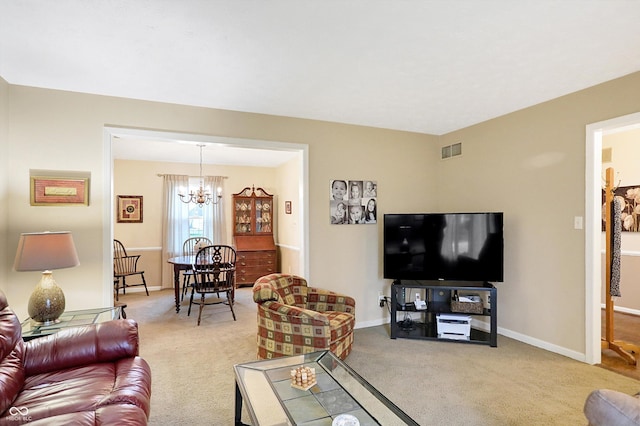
(253, 235)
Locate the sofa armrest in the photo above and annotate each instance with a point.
(605, 407)
(322, 300)
(83, 345)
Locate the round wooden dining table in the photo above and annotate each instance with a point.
(184, 263)
(180, 263)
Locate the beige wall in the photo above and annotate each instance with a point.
(4, 178)
(288, 226)
(531, 165)
(625, 152)
(64, 131)
(629, 301)
(625, 148)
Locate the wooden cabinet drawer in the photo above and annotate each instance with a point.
(251, 265)
(250, 256)
(250, 276)
(256, 262)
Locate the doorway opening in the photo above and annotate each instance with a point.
(300, 151)
(593, 213)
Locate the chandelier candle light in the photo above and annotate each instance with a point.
(201, 197)
(46, 251)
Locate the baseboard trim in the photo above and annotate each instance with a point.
(372, 323)
(482, 325)
(623, 309)
(140, 289)
(542, 344)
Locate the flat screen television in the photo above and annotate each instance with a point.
(444, 246)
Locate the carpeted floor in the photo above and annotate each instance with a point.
(436, 383)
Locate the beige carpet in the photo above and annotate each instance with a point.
(436, 383)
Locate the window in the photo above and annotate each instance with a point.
(196, 213)
(196, 221)
(184, 221)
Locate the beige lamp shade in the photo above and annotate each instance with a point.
(41, 251)
(46, 251)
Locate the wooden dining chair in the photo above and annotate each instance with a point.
(125, 266)
(214, 272)
(190, 247)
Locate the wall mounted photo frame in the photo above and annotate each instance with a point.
(129, 208)
(59, 191)
(287, 207)
(353, 202)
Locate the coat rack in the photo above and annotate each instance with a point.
(624, 349)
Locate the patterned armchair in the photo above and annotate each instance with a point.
(295, 319)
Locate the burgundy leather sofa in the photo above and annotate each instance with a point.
(88, 375)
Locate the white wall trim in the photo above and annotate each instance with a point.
(288, 247)
(107, 220)
(542, 344)
(625, 252)
(622, 309)
(141, 289)
(371, 323)
(144, 248)
(522, 338)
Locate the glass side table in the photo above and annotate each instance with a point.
(33, 330)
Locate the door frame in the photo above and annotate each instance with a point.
(593, 228)
(110, 132)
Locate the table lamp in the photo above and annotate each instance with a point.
(46, 251)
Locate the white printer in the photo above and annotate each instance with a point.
(453, 326)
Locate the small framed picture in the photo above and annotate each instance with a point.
(129, 208)
(287, 207)
(54, 191)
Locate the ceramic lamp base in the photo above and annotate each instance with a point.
(47, 302)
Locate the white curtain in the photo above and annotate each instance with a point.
(214, 218)
(175, 223)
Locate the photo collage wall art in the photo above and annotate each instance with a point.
(353, 202)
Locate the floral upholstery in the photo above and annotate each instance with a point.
(295, 319)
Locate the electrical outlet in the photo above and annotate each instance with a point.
(381, 299)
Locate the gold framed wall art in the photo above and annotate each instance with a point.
(129, 208)
(59, 191)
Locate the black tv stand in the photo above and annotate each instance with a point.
(438, 296)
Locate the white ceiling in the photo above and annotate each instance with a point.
(429, 66)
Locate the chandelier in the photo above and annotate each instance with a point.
(201, 197)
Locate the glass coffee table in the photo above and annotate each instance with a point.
(33, 330)
(265, 387)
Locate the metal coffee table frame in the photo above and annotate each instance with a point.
(265, 387)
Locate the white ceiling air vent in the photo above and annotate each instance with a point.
(452, 150)
(607, 154)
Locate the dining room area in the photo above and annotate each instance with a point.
(167, 209)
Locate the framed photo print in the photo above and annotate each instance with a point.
(353, 202)
(129, 208)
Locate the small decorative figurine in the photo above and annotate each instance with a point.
(303, 378)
